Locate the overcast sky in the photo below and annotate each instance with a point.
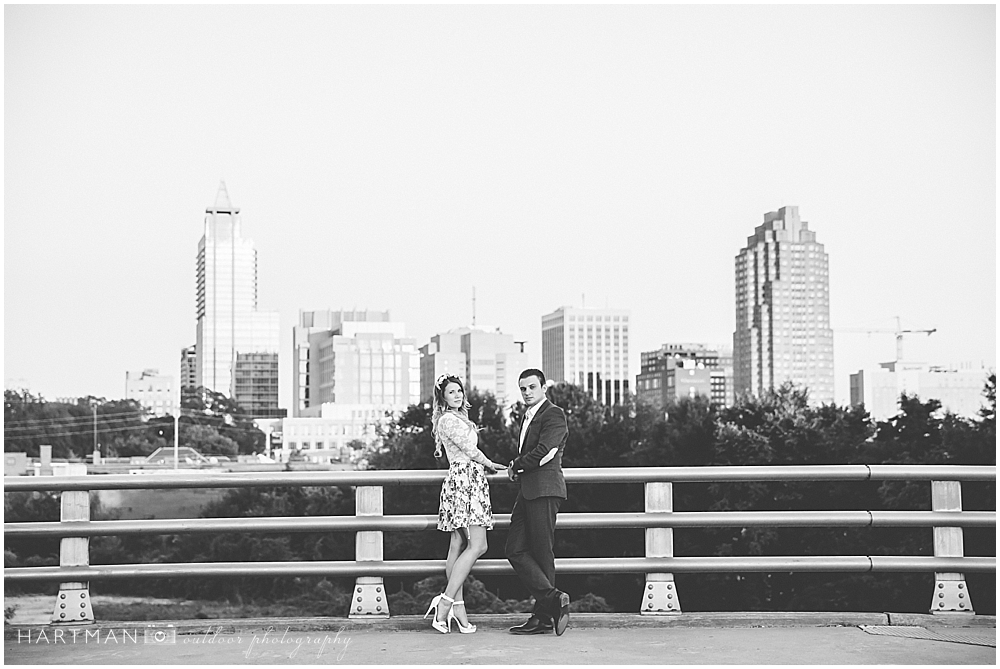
(393, 157)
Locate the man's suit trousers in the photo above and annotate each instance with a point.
(530, 540)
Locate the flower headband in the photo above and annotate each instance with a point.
(443, 379)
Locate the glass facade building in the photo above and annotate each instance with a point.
(229, 323)
(783, 328)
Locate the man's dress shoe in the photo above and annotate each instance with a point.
(562, 618)
(535, 625)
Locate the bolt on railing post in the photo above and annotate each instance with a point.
(73, 601)
(369, 597)
(951, 594)
(659, 596)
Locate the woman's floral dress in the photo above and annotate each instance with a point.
(465, 494)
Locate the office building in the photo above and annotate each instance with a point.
(152, 390)
(588, 348)
(255, 384)
(684, 370)
(229, 322)
(878, 389)
(333, 433)
(783, 310)
(322, 322)
(484, 358)
(354, 357)
(189, 366)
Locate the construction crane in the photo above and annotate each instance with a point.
(898, 331)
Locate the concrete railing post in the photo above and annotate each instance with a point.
(45, 461)
(73, 601)
(951, 594)
(659, 597)
(369, 599)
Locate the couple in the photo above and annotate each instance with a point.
(465, 508)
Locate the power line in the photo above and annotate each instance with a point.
(87, 421)
(88, 418)
(147, 426)
(71, 426)
(51, 435)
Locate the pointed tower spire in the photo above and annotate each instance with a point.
(222, 202)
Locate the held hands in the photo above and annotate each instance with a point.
(511, 474)
(495, 467)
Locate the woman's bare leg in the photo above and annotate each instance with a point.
(455, 548)
(475, 548)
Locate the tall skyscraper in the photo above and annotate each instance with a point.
(783, 310)
(588, 348)
(229, 323)
(487, 360)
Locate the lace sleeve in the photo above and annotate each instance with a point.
(463, 436)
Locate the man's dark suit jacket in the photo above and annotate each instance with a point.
(539, 464)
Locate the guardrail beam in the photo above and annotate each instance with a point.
(660, 595)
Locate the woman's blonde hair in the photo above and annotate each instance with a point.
(440, 406)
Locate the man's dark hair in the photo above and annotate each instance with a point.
(533, 372)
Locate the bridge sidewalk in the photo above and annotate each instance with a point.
(706, 638)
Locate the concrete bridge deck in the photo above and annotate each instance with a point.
(693, 638)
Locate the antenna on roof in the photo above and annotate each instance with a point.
(473, 306)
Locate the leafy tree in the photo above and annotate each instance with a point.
(207, 440)
(30, 422)
(124, 446)
(201, 406)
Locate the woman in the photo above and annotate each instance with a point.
(465, 509)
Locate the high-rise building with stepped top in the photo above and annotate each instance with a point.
(783, 310)
(237, 345)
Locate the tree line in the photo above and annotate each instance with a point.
(210, 422)
(780, 428)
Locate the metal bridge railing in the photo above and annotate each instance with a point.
(659, 564)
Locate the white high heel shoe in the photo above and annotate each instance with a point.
(468, 629)
(443, 626)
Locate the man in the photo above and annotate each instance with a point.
(538, 470)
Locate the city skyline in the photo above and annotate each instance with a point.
(396, 157)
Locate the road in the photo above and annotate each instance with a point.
(407, 641)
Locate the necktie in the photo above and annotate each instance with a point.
(524, 430)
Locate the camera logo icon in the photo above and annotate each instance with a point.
(160, 635)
